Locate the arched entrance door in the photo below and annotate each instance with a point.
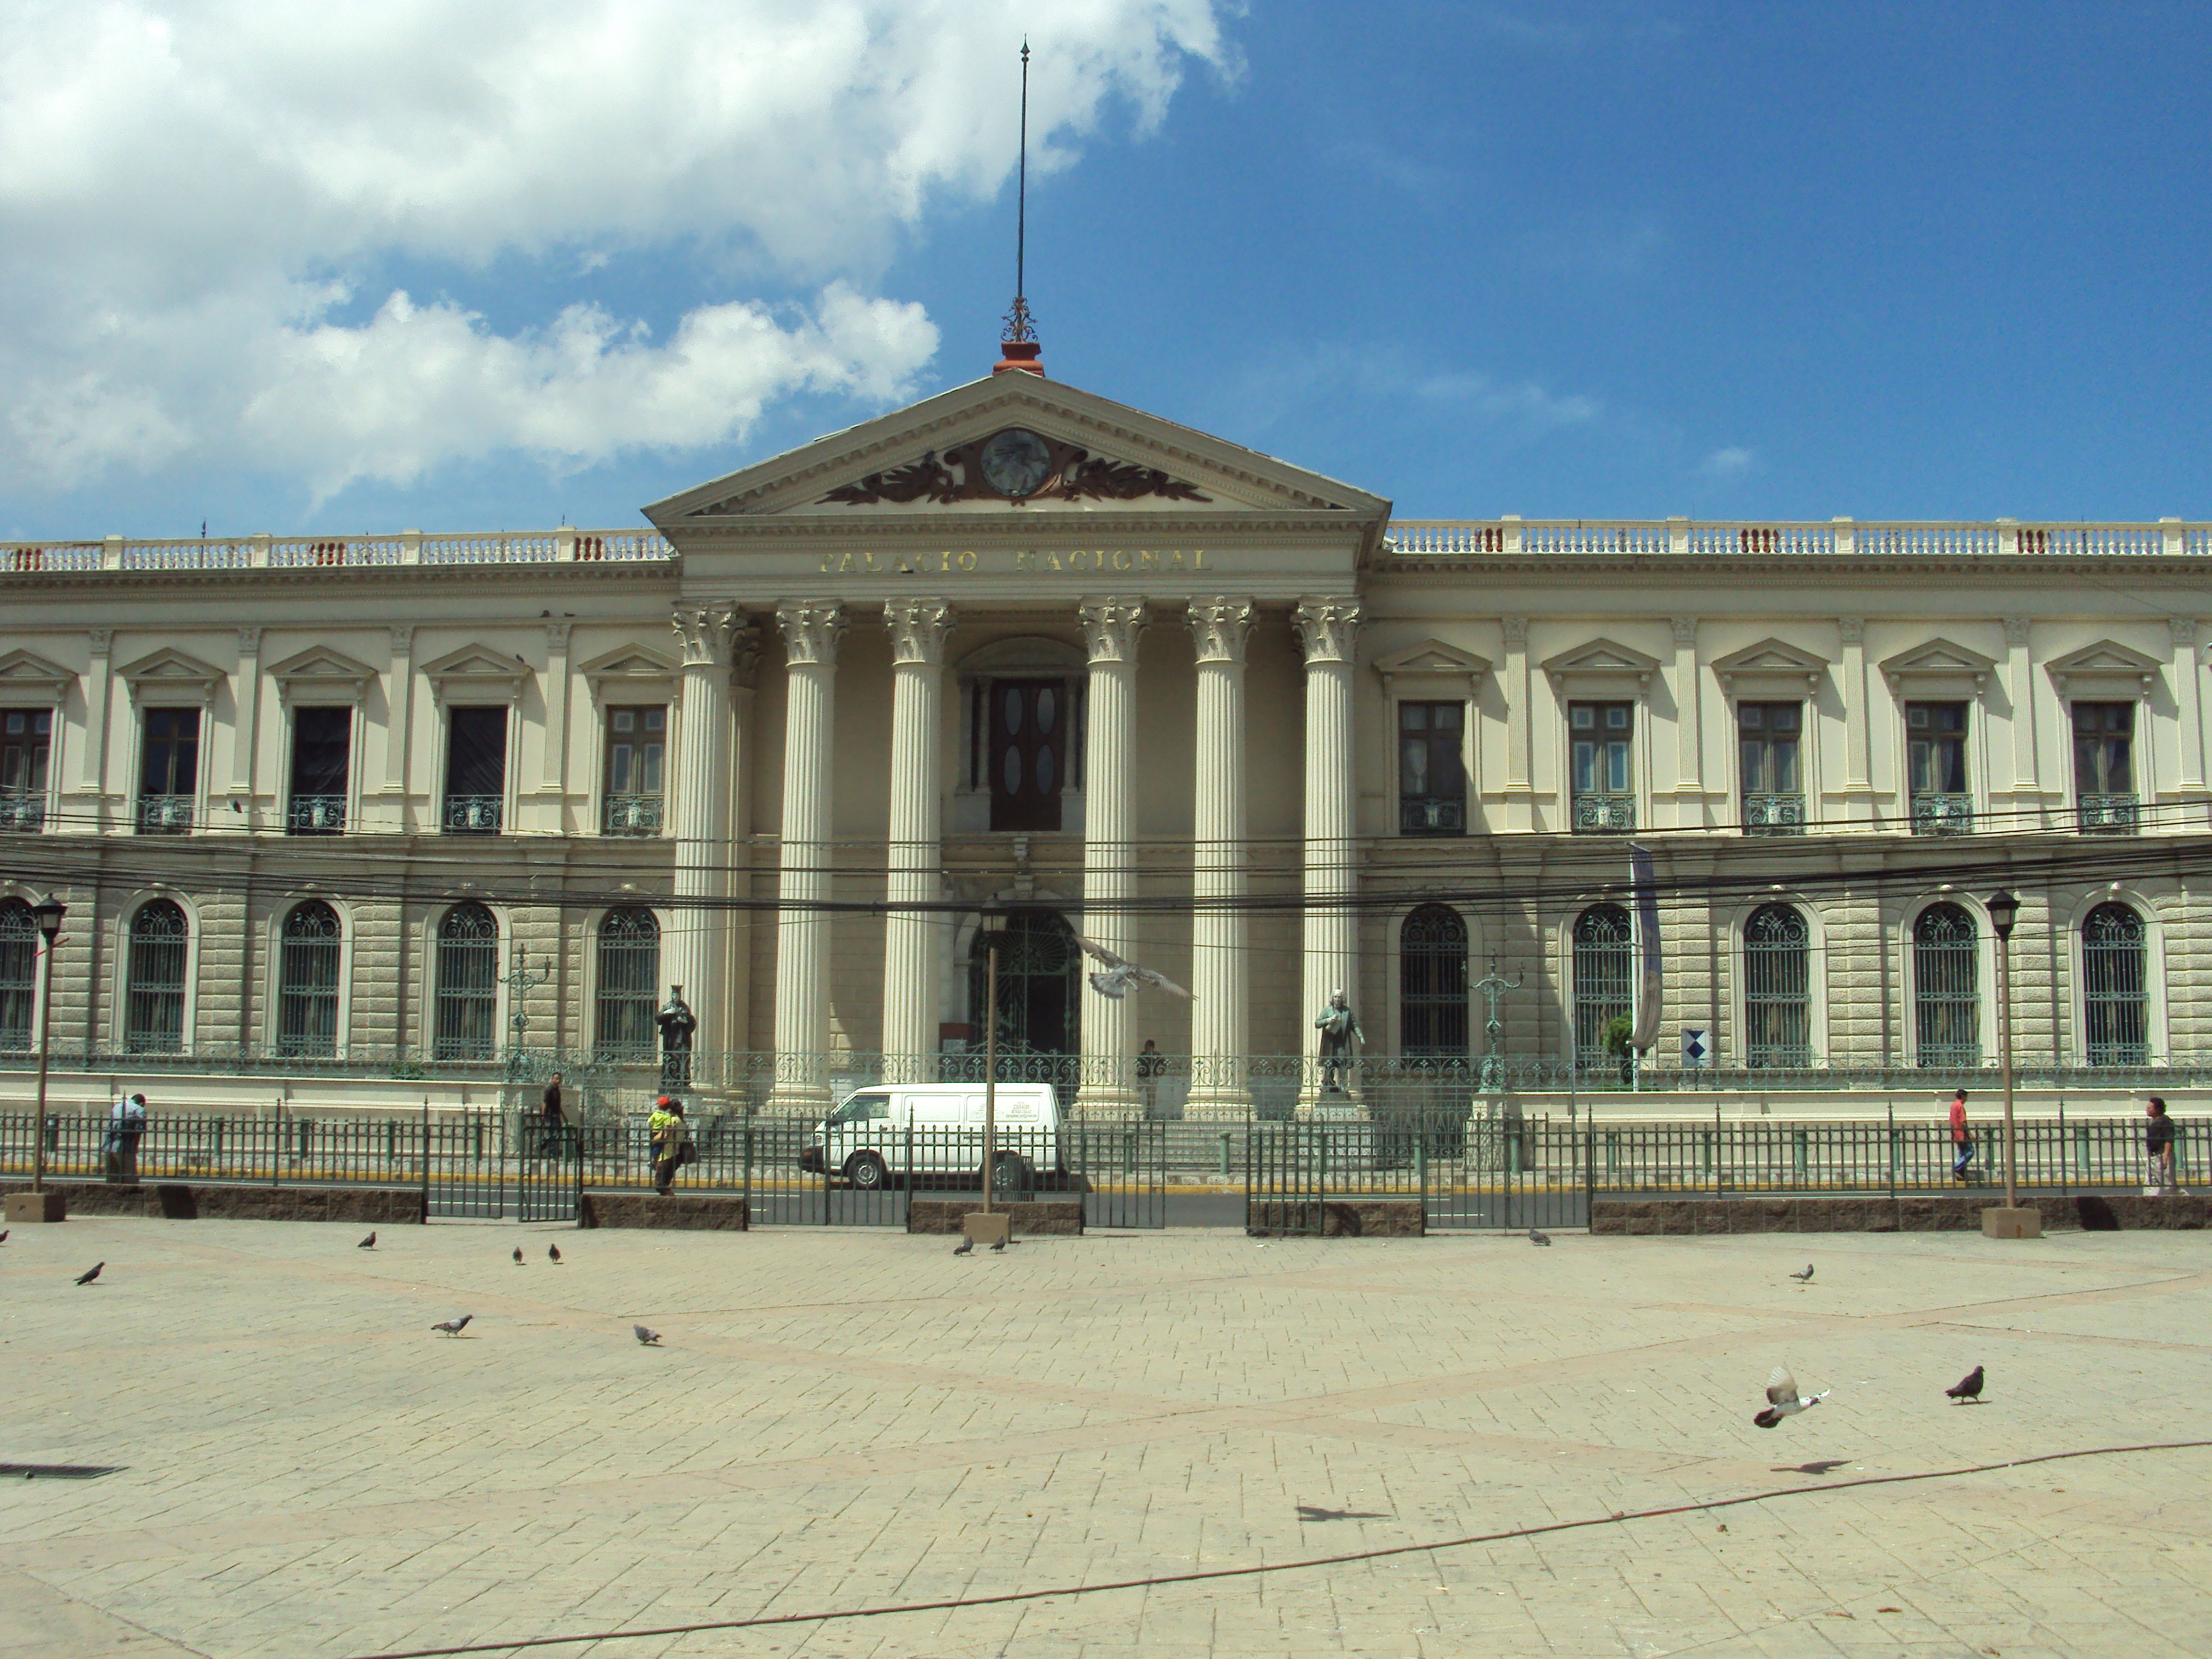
(1039, 995)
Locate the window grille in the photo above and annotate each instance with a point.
(1777, 1008)
(1432, 1021)
(19, 984)
(154, 997)
(1604, 988)
(307, 983)
(2116, 987)
(1946, 997)
(467, 985)
(630, 980)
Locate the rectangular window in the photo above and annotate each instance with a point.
(1432, 773)
(1935, 764)
(1602, 779)
(2104, 767)
(168, 771)
(476, 770)
(1028, 752)
(1767, 738)
(25, 744)
(637, 745)
(322, 748)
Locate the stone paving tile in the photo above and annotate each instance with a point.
(845, 1419)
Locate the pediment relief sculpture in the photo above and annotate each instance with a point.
(1012, 465)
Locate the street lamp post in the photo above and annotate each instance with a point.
(44, 1206)
(987, 1228)
(2004, 911)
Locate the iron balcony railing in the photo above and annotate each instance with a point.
(1942, 815)
(1774, 815)
(2109, 814)
(1605, 815)
(472, 814)
(164, 815)
(22, 809)
(1431, 815)
(630, 815)
(315, 814)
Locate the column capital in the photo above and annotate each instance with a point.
(2015, 630)
(1685, 629)
(919, 628)
(556, 637)
(1517, 629)
(1852, 630)
(1329, 630)
(402, 641)
(1112, 628)
(810, 630)
(1221, 625)
(703, 631)
(249, 641)
(2183, 629)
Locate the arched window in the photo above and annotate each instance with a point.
(154, 980)
(2116, 987)
(19, 984)
(1040, 987)
(307, 983)
(1946, 996)
(1605, 969)
(629, 980)
(468, 985)
(1778, 1002)
(1433, 985)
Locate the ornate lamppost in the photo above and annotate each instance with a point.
(1493, 985)
(42, 1205)
(2012, 1222)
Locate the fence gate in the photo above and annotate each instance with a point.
(549, 1173)
(1286, 1177)
(1120, 1170)
(468, 1167)
(1511, 1173)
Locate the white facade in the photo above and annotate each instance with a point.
(831, 649)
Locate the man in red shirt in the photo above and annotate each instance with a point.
(1961, 1141)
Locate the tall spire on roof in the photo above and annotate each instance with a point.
(1019, 347)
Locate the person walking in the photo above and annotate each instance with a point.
(2158, 1153)
(671, 1139)
(1151, 1062)
(1962, 1143)
(555, 1121)
(119, 1149)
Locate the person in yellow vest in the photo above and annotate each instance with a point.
(671, 1135)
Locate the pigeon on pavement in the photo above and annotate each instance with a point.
(86, 1278)
(4, 1232)
(1969, 1386)
(649, 1339)
(964, 1246)
(1783, 1398)
(518, 1255)
(1535, 1237)
(452, 1327)
(1805, 1277)
(553, 1254)
(1122, 975)
(1000, 1245)
(368, 1244)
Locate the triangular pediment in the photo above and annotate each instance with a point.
(629, 662)
(950, 454)
(22, 673)
(320, 662)
(168, 666)
(477, 666)
(1772, 658)
(1433, 656)
(1601, 659)
(2108, 660)
(1939, 659)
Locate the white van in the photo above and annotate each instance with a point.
(892, 1131)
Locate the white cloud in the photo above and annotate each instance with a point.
(1730, 463)
(192, 190)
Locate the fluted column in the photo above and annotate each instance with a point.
(1329, 630)
(693, 946)
(1112, 628)
(918, 627)
(810, 632)
(1220, 1015)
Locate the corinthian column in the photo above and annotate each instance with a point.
(716, 643)
(1112, 627)
(811, 631)
(918, 630)
(1329, 630)
(1220, 1015)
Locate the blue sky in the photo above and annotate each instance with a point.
(1582, 258)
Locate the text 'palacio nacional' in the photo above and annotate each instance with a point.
(364, 815)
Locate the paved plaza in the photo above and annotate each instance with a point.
(845, 1419)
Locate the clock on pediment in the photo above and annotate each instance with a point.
(1015, 462)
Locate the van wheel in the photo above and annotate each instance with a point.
(866, 1172)
(1014, 1173)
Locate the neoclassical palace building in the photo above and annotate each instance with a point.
(376, 810)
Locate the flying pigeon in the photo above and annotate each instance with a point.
(86, 1278)
(553, 1254)
(964, 1247)
(1969, 1386)
(1000, 1245)
(518, 1255)
(452, 1327)
(1122, 977)
(1535, 1237)
(1783, 1400)
(368, 1244)
(649, 1339)
(1805, 1277)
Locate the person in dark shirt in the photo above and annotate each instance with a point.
(555, 1121)
(2158, 1150)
